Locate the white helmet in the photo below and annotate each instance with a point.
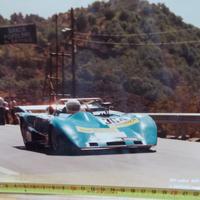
(73, 106)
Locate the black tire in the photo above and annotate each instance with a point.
(60, 145)
(140, 150)
(145, 149)
(57, 145)
(24, 129)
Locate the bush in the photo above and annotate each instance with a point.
(109, 14)
(124, 15)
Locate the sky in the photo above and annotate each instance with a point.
(44, 8)
(187, 9)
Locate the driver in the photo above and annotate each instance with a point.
(73, 106)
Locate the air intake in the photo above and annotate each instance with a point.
(116, 143)
(93, 144)
(137, 142)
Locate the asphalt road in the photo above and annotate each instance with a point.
(173, 164)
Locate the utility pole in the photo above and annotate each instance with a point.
(50, 80)
(63, 74)
(57, 67)
(53, 81)
(73, 65)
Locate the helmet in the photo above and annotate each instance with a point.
(73, 106)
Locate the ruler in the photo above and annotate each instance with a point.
(136, 192)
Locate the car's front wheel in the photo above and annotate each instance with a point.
(27, 136)
(57, 144)
(61, 145)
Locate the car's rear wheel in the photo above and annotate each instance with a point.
(27, 136)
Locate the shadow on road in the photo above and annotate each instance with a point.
(47, 151)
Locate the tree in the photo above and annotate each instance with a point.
(124, 15)
(81, 22)
(2, 21)
(109, 13)
(17, 18)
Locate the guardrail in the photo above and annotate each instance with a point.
(175, 118)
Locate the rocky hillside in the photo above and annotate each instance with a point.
(139, 55)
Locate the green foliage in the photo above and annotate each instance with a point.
(96, 6)
(2, 71)
(124, 15)
(2, 20)
(134, 71)
(16, 18)
(33, 19)
(92, 20)
(109, 14)
(143, 86)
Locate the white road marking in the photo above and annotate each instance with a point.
(8, 171)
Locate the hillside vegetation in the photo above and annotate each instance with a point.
(139, 55)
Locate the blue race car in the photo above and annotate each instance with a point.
(93, 127)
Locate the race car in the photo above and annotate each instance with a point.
(91, 126)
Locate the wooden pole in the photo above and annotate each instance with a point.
(73, 65)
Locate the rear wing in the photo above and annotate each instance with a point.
(81, 100)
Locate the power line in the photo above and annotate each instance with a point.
(134, 34)
(140, 44)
